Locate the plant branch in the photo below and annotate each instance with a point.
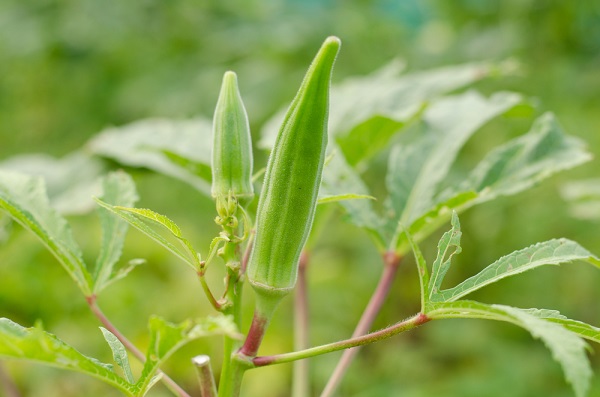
(206, 379)
(372, 337)
(170, 383)
(8, 386)
(211, 298)
(300, 378)
(391, 264)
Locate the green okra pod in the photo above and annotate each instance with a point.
(232, 145)
(288, 199)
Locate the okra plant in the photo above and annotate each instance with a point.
(315, 163)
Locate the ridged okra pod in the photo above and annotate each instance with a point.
(232, 145)
(289, 196)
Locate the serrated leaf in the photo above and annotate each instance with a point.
(24, 198)
(448, 246)
(340, 178)
(416, 170)
(118, 189)
(567, 347)
(34, 344)
(71, 181)
(135, 221)
(119, 353)
(161, 145)
(166, 338)
(552, 252)
(343, 197)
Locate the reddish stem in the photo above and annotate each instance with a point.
(391, 263)
(300, 383)
(9, 387)
(170, 383)
(255, 336)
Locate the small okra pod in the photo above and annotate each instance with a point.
(288, 199)
(232, 145)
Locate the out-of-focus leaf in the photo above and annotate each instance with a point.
(24, 198)
(552, 252)
(448, 246)
(119, 354)
(70, 181)
(366, 111)
(34, 344)
(567, 348)
(583, 197)
(343, 197)
(118, 190)
(136, 219)
(180, 149)
(340, 178)
(166, 338)
(415, 170)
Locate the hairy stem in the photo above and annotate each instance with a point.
(391, 264)
(300, 377)
(372, 337)
(170, 383)
(8, 386)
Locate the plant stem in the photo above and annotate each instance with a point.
(170, 383)
(205, 376)
(300, 377)
(372, 337)
(9, 387)
(391, 264)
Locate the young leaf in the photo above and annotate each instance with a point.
(161, 145)
(567, 347)
(135, 221)
(448, 246)
(24, 198)
(166, 338)
(34, 344)
(552, 252)
(119, 189)
(119, 354)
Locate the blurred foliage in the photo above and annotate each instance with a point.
(70, 69)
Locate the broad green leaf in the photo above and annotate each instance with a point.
(165, 146)
(421, 270)
(24, 198)
(567, 348)
(343, 197)
(137, 222)
(70, 181)
(552, 252)
(366, 111)
(448, 246)
(119, 354)
(526, 160)
(34, 344)
(340, 178)
(416, 170)
(582, 329)
(118, 189)
(583, 197)
(166, 338)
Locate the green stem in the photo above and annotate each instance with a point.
(391, 264)
(205, 376)
(372, 337)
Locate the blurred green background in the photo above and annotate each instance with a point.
(70, 68)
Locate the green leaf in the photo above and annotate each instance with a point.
(448, 246)
(584, 330)
(168, 147)
(340, 178)
(135, 217)
(71, 181)
(119, 353)
(552, 252)
(118, 189)
(526, 160)
(421, 270)
(583, 197)
(24, 198)
(34, 344)
(416, 170)
(343, 197)
(567, 348)
(166, 338)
